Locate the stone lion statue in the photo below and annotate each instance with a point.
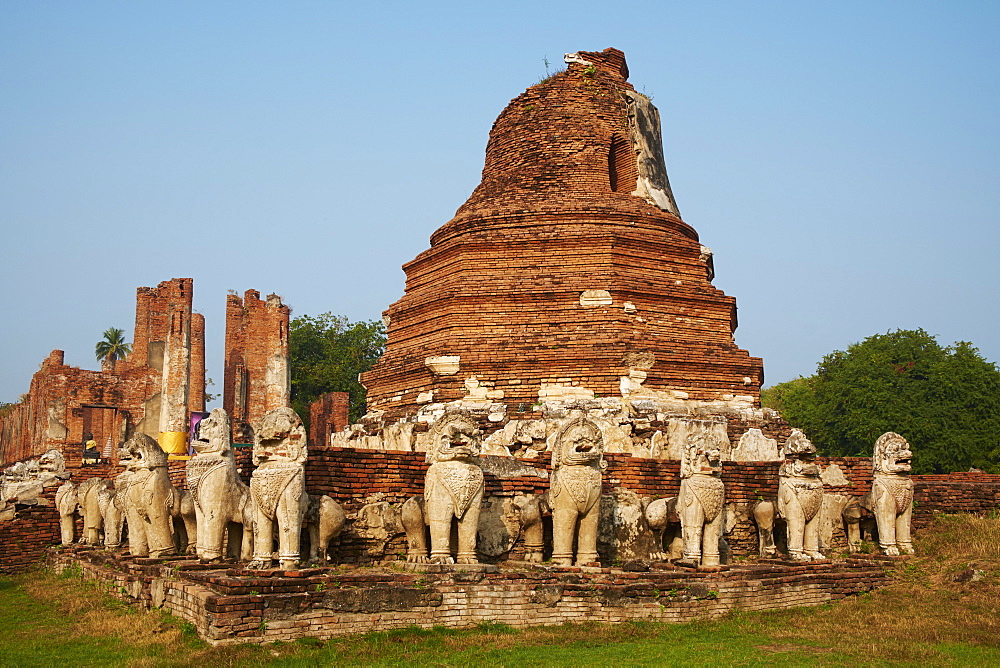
(575, 491)
(700, 499)
(221, 500)
(800, 497)
(277, 487)
(890, 498)
(149, 499)
(453, 490)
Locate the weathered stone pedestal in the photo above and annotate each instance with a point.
(229, 604)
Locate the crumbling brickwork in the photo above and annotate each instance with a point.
(327, 415)
(569, 266)
(65, 403)
(256, 378)
(196, 397)
(231, 605)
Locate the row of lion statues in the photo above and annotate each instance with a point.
(218, 516)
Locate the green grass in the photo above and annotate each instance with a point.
(924, 618)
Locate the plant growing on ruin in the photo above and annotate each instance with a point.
(113, 346)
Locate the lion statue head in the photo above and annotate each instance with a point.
(280, 436)
(453, 437)
(892, 455)
(578, 443)
(213, 436)
(702, 455)
(142, 452)
(798, 445)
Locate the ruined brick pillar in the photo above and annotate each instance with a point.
(257, 377)
(176, 380)
(196, 393)
(327, 415)
(568, 274)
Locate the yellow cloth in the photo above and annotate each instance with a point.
(91, 444)
(174, 442)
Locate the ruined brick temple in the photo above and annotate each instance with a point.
(566, 297)
(568, 279)
(155, 388)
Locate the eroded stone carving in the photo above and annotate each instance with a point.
(531, 508)
(221, 500)
(443, 365)
(66, 502)
(800, 497)
(575, 492)
(700, 501)
(23, 482)
(277, 487)
(149, 498)
(890, 498)
(624, 533)
(89, 508)
(754, 446)
(324, 519)
(453, 488)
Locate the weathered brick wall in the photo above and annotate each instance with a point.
(971, 492)
(25, 538)
(501, 284)
(256, 334)
(328, 414)
(228, 606)
(64, 402)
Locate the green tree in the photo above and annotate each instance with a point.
(113, 346)
(327, 352)
(944, 400)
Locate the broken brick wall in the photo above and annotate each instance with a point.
(64, 403)
(328, 415)
(257, 377)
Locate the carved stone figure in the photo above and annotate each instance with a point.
(221, 500)
(277, 487)
(664, 524)
(112, 506)
(532, 508)
(114, 509)
(575, 492)
(800, 497)
(890, 498)
(148, 498)
(66, 503)
(51, 464)
(699, 502)
(88, 502)
(453, 489)
(324, 520)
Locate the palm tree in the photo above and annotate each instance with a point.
(113, 347)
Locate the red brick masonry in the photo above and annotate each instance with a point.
(230, 605)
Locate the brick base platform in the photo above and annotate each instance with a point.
(231, 605)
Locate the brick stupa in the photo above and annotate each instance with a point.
(568, 275)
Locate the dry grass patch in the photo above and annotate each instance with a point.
(924, 617)
(924, 608)
(94, 613)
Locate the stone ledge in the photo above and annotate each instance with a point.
(228, 604)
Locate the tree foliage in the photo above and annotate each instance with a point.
(944, 400)
(327, 352)
(113, 346)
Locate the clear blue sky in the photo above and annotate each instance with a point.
(841, 159)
